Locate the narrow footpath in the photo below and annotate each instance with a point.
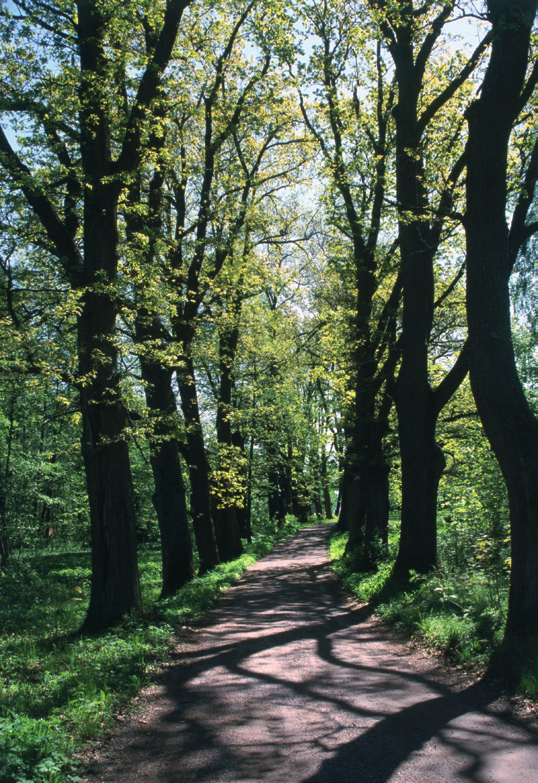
(288, 681)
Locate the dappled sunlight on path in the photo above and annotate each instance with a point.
(288, 682)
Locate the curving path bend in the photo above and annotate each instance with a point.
(287, 681)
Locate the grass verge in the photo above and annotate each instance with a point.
(460, 613)
(59, 689)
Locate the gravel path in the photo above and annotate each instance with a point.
(287, 681)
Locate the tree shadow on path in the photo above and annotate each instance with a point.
(286, 682)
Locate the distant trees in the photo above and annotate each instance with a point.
(185, 216)
(392, 147)
(354, 135)
(194, 219)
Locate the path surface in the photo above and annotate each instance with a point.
(287, 681)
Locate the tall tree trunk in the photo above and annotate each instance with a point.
(220, 536)
(278, 479)
(420, 457)
(93, 272)
(348, 498)
(273, 496)
(422, 465)
(420, 229)
(169, 497)
(339, 499)
(318, 505)
(365, 496)
(371, 518)
(249, 490)
(295, 482)
(286, 481)
(376, 492)
(230, 545)
(365, 501)
(510, 426)
(243, 518)
(422, 469)
(327, 504)
(198, 469)
(115, 587)
(316, 493)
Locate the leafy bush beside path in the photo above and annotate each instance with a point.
(460, 612)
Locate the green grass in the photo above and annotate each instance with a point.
(59, 689)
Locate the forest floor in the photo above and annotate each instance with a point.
(288, 680)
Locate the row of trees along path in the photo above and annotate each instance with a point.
(146, 205)
(287, 680)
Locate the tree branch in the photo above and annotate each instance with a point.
(450, 383)
(131, 151)
(450, 90)
(519, 232)
(64, 244)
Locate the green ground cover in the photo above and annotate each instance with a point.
(458, 610)
(59, 689)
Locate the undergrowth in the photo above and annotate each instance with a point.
(461, 613)
(59, 689)
(458, 611)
